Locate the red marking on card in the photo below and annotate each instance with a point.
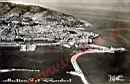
(62, 64)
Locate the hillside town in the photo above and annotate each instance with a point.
(43, 28)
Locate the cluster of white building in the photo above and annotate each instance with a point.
(61, 29)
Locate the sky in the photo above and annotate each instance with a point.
(76, 3)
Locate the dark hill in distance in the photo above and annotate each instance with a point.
(12, 9)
